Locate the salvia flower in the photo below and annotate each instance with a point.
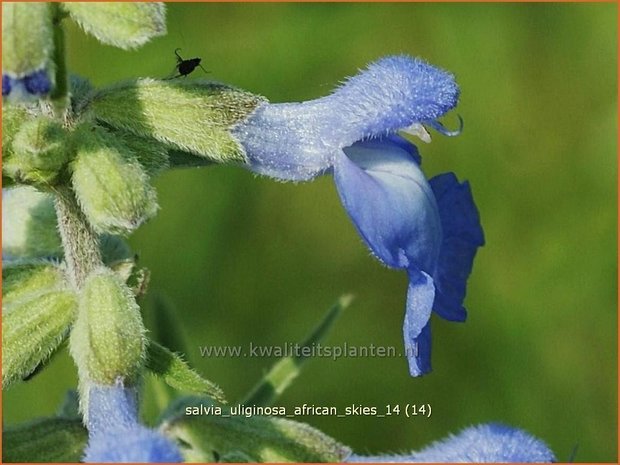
(430, 229)
(476, 444)
(115, 435)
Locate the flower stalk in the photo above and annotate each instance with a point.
(79, 241)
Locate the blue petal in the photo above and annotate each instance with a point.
(298, 141)
(417, 328)
(291, 142)
(462, 235)
(111, 407)
(115, 434)
(390, 202)
(476, 444)
(404, 144)
(134, 445)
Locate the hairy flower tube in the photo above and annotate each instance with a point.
(115, 435)
(430, 229)
(477, 444)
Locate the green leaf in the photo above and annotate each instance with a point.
(126, 25)
(176, 373)
(44, 440)
(188, 116)
(287, 369)
(207, 438)
(32, 328)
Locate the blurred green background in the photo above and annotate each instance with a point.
(248, 259)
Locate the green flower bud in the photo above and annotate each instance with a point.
(260, 439)
(33, 326)
(126, 25)
(111, 185)
(29, 225)
(39, 152)
(27, 38)
(191, 116)
(107, 341)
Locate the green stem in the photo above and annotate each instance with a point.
(59, 95)
(79, 241)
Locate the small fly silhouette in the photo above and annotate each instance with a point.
(185, 67)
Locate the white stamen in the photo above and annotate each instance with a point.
(416, 129)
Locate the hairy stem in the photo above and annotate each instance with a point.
(79, 241)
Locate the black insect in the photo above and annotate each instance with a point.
(185, 67)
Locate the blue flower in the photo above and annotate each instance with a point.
(476, 444)
(430, 229)
(115, 435)
(32, 85)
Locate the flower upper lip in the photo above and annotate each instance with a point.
(399, 214)
(299, 141)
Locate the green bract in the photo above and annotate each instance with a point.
(27, 37)
(107, 341)
(260, 439)
(110, 184)
(39, 152)
(177, 374)
(29, 224)
(37, 311)
(122, 24)
(191, 116)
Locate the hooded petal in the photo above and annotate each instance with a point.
(298, 141)
(390, 202)
(462, 235)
